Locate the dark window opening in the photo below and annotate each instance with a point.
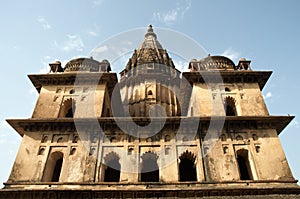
(150, 170)
(113, 167)
(187, 167)
(45, 139)
(150, 92)
(227, 89)
(68, 108)
(57, 170)
(41, 151)
(230, 111)
(72, 91)
(244, 165)
(230, 106)
(53, 167)
(167, 138)
(75, 139)
(70, 112)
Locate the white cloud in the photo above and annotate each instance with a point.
(94, 30)
(101, 49)
(231, 54)
(74, 42)
(268, 95)
(44, 23)
(92, 33)
(169, 17)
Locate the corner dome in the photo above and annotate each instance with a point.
(216, 62)
(87, 65)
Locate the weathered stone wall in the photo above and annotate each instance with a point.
(88, 101)
(84, 155)
(208, 99)
(35, 150)
(265, 155)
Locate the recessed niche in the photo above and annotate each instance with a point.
(130, 150)
(167, 150)
(257, 148)
(225, 149)
(72, 91)
(75, 139)
(255, 137)
(44, 139)
(41, 150)
(239, 138)
(72, 151)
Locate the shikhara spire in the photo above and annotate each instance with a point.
(150, 51)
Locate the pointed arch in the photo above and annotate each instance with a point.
(68, 108)
(230, 108)
(149, 168)
(113, 167)
(244, 164)
(53, 167)
(187, 167)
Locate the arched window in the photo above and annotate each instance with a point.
(230, 106)
(53, 167)
(68, 108)
(72, 91)
(167, 138)
(57, 170)
(150, 170)
(187, 167)
(149, 93)
(227, 89)
(243, 164)
(44, 139)
(113, 167)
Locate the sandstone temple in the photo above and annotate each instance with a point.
(154, 132)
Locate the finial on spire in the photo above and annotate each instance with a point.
(150, 29)
(150, 32)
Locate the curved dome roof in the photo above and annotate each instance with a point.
(87, 64)
(216, 62)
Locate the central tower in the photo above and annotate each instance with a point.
(150, 78)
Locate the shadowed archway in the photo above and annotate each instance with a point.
(150, 169)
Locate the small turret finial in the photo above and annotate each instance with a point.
(150, 29)
(150, 32)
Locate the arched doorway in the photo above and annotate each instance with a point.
(53, 167)
(113, 167)
(244, 164)
(150, 170)
(187, 167)
(230, 108)
(68, 108)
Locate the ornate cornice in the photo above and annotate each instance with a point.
(260, 77)
(89, 124)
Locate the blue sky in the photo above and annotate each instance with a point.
(34, 33)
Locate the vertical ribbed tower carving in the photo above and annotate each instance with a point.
(150, 79)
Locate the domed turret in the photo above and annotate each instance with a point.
(212, 63)
(87, 65)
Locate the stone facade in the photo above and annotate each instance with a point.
(153, 134)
